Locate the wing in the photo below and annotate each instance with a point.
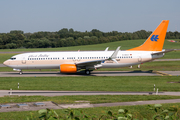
(96, 63)
(90, 64)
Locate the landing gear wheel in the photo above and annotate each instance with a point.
(20, 72)
(87, 72)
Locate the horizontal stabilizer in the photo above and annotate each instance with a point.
(165, 51)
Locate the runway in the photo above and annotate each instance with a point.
(93, 73)
(65, 93)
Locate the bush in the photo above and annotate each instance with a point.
(122, 114)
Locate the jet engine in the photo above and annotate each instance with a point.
(68, 68)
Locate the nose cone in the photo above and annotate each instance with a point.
(6, 63)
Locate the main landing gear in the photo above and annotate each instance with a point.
(20, 72)
(87, 72)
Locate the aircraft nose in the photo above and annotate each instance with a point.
(6, 63)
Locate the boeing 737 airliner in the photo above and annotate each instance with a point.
(71, 62)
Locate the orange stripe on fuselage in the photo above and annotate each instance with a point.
(155, 41)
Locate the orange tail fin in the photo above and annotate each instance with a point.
(155, 41)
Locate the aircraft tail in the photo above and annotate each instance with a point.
(155, 41)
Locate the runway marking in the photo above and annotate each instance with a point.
(162, 73)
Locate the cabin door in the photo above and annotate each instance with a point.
(24, 60)
(139, 59)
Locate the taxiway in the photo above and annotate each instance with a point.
(65, 93)
(93, 73)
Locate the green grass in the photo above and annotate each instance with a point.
(93, 99)
(6, 56)
(92, 83)
(126, 44)
(171, 55)
(138, 111)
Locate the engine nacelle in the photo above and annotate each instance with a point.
(68, 68)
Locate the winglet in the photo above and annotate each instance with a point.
(113, 56)
(155, 41)
(106, 49)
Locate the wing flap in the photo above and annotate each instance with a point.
(89, 63)
(96, 63)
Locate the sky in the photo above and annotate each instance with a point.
(85, 15)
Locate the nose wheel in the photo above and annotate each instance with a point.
(20, 72)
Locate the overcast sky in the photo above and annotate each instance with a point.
(81, 15)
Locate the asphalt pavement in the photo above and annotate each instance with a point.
(53, 105)
(94, 73)
(64, 93)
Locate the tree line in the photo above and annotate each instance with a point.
(68, 37)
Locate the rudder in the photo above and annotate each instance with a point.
(155, 41)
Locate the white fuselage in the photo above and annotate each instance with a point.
(53, 60)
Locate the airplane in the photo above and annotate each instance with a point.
(71, 62)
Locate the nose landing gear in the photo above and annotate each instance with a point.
(20, 72)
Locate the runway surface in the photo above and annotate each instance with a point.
(1, 65)
(64, 93)
(94, 73)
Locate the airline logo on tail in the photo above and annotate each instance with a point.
(154, 37)
(155, 41)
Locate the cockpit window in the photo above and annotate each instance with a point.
(12, 58)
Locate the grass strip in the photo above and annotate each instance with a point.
(92, 83)
(125, 44)
(138, 111)
(93, 99)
